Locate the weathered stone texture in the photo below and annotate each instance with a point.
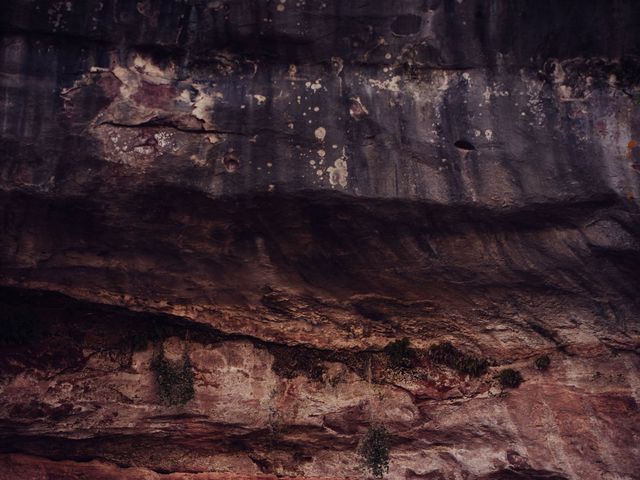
(280, 189)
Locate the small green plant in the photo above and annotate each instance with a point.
(18, 327)
(510, 378)
(174, 379)
(374, 449)
(446, 354)
(400, 354)
(542, 363)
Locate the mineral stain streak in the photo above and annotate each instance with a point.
(222, 219)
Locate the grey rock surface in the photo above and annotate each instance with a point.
(319, 178)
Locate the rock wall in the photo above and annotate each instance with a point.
(277, 190)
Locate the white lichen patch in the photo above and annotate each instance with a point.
(487, 94)
(559, 75)
(164, 140)
(203, 105)
(391, 85)
(261, 99)
(95, 69)
(152, 73)
(212, 138)
(129, 81)
(130, 146)
(198, 161)
(565, 93)
(494, 91)
(144, 149)
(314, 86)
(338, 173)
(320, 133)
(535, 97)
(185, 96)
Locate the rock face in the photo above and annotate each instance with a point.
(276, 190)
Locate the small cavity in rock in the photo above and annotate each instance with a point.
(464, 145)
(406, 25)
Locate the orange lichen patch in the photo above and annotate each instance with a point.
(630, 146)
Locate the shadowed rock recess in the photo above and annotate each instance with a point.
(215, 216)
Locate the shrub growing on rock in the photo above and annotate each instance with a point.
(510, 378)
(542, 363)
(316, 372)
(400, 354)
(374, 450)
(174, 379)
(446, 354)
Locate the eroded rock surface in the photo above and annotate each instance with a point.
(278, 189)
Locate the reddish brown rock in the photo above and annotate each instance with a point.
(276, 191)
(36, 468)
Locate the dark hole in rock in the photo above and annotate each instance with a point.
(231, 163)
(406, 24)
(464, 145)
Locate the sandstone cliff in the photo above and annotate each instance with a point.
(275, 191)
